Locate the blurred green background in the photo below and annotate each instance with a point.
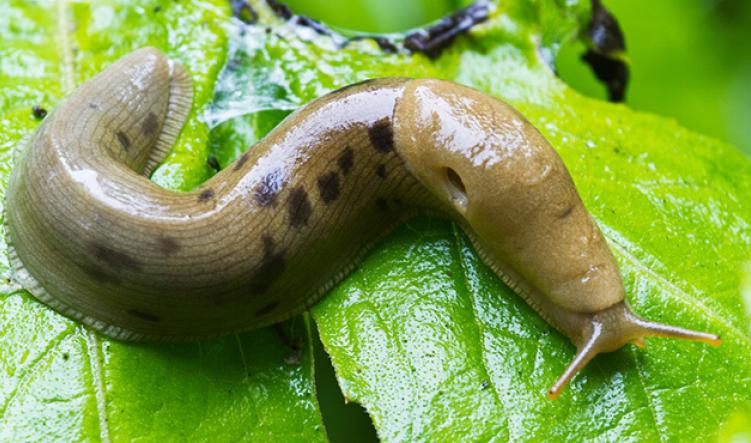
(376, 16)
(690, 59)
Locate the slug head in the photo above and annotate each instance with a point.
(514, 196)
(502, 180)
(614, 327)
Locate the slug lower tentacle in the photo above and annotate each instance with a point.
(266, 237)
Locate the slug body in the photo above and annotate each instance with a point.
(266, 237)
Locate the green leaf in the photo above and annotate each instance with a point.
(61, 382)
(428, 339)
(423, 334)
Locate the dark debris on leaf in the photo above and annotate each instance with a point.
(614, 73)
(384, 43)
(243, 11)
(604, 31)
(605, 54)
(38, 112)
(283, 11)
(315, 25)
(433, 40)
(213, 163)
(280, 9)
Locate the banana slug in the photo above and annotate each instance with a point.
(267, 236)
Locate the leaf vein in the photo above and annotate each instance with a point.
(480, 330)
(674, 291)
(647, 395)
(94, 350)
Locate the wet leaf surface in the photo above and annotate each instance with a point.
(423, 334)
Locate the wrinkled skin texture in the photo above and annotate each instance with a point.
(270, 234)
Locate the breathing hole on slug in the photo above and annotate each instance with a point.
(456, 188)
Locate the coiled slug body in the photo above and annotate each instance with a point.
(270, 234)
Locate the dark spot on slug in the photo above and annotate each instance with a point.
(206, 195)
(346, 160)
(568, 211)
(381, 170)
(102, 277)
(93, 105)
(298, 207)
(168, 245)
(268, 245)
(115, 259)
(382, 204)
(123, 139)
(433, 40)
(328, 187)
(271, 267)
(243, 11)
(143, 315)
(241, 161)
(266, 191)
(38, 112)
(381, 135)
(267, 309)
(150, 124)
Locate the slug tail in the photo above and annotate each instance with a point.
(178, 108)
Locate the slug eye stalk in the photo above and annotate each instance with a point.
(613, 328)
